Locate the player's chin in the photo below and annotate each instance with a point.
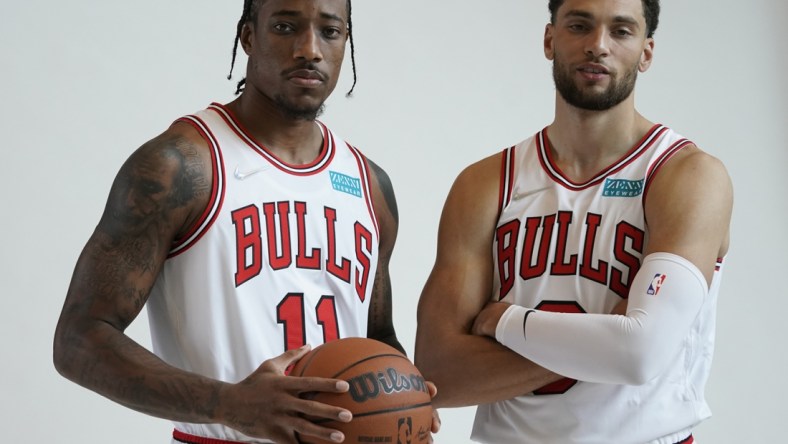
(302, 108)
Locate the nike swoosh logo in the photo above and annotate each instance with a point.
(241, 175)
(525, 194)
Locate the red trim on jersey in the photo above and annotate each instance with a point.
(216, 199)
(555, 173)
(660, 162)
(363, 168)
(192, 439)
(507, 179)
(319, 164)
(689, 440)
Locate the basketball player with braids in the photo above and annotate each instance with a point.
(250, 230)
(601, 238)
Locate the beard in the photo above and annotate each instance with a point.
(296, 112)
(616, 92)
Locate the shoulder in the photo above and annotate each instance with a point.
(180, 138)
(472, 206)
(481, 179)
(692, 169)
(689, 206)
(170, 175)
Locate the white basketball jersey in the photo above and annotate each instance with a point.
(575, 247)
(284, 255)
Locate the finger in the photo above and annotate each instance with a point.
(307, 428)
(292, 356)
(284, 362)
(432, 388)
(303, 384)
(436, 421)
(319, 410)
(477, 329)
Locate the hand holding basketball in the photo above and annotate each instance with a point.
(389, 399)
(266, 404)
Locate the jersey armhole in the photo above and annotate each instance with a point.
(506, 179)
(363, 168)
(209, 214)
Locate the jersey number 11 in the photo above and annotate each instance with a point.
(291, 314)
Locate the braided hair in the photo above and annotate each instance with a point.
(251, 7)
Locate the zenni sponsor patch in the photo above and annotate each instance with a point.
(623, 188)
(345, 184)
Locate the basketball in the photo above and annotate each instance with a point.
(388, 396)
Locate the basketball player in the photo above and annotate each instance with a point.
(599, 237)
(250, 230)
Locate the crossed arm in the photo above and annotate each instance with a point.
(688, 210)
(468, 369)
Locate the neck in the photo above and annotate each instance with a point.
(294, 141)
(585, 142)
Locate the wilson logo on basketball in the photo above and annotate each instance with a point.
(370, 385)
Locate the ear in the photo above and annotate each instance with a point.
(647, 56)
(247, 38)
(549, 51)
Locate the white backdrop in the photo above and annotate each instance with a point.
(441, 84)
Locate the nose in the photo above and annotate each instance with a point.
(598, 43)
(307, 46)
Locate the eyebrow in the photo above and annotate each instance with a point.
(323, 15)
(626, 19)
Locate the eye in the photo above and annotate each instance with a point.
(622, 32)
(283, 28)
(576, 27)
(332, 33)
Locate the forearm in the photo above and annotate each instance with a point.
(629, 349)
(471, 370)
(105, 360)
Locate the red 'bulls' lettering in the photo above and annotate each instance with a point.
(282, 252)
(342, 270)
(539, 235)
(278, 260)
(304, 260)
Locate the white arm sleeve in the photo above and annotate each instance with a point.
(665, 297)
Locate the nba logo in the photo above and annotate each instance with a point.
(404, 430)
(656, 284)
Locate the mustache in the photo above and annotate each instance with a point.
(306, 66)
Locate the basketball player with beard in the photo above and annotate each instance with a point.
(250, 230)
(602, 238)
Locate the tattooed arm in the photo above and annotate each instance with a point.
(381, 325)
(159, 193)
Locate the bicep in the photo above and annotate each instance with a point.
(153, 199)
(688, 210)
(461, 280)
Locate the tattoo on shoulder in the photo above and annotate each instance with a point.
(156, 193)
(165, 174)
